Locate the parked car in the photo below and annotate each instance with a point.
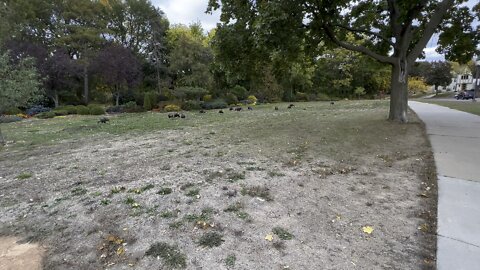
(470, 94)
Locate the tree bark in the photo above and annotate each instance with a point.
(55, 98)
(2, 139)
(398, 95)
(85, 84)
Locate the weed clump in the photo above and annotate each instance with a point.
(211, 239)
(24, 176)
(172, 257)
(282, 233)
(165, 191)
(257, 191)
(230, 260)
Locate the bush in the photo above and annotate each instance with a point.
(69, 108)
(116, 109)
(37, 109)
(10, 118)
(301, 96)
(311, 97)
(252, 100)
(192, 105)
(13, 111)
(162, 97)
(172, 108)
(46, 115)
(216, 104)
(60, 112)
(231, 98)
(83, 110)
(149, 100)
(96, 110)
(207, 98)
(323, 97)
(239, 91)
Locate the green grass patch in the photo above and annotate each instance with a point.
(24, 176)
(257, 191)
(211, 239)
(171, 255)
(465, 106)
(282, 233)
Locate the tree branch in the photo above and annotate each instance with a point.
(356, 48)
(430, 28)
(366, 32)
(394, 15)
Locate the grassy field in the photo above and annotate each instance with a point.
(466, 106)
(264, 189)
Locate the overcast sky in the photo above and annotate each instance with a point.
(188, 11)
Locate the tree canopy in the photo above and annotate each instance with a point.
(390, 31)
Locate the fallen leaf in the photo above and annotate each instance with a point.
(120, 251)
(269, 237)
(367, 229)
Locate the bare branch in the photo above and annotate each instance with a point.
(430, 28)
(366, 32)
(357, 48)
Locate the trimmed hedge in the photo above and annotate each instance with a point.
(46, 115)
(96, 110)
(216, 104)
(83, 110)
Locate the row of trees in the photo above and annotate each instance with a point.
(276, 50)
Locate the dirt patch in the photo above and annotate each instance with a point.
(15, 256)
(262, 189)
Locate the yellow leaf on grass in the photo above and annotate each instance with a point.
(367, 229)
(269, 237)
(120, 251)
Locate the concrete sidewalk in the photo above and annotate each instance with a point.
(455, 139)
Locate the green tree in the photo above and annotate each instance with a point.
(189, 57)
(19, 84)
(396, 32)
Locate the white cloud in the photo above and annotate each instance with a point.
(188, 11)
(432, 55)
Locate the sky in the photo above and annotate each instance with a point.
(189, 11)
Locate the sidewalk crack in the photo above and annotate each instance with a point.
(458, 240)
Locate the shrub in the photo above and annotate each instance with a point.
(188, 92)
(116, 109)
(323, 97)
(216, 104)
(252, 99)
(172, 108)
(192, 105)
(37, 109)
(132, 107)
(96, 110)
(162, 97)
(149, 100)
(239, 91)
(60, 112)
(45, 115)
(301, 96)
(70, 109)
(207, 98)
(83, 110)
(13, 111)
(9, 118)
(231, 98)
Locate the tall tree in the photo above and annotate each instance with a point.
(19, 84)
(81, 30)
(396, 31)
(117, 68)
(189, 57)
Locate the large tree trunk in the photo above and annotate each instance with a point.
(85, 84)
(399, 94)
